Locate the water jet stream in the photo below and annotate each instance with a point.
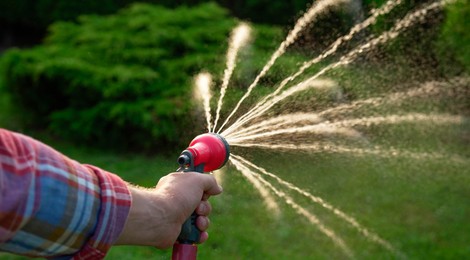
(239, 38)
(202, 92)
(276, 122)
(311, 83)
(312, 129)
(317, 8)
(347, 124)
(384, 9)
(397, 119)
(452, 87)
(300, 210)
(409, 20)
(263, 191)
(350, 220)
(376, 151)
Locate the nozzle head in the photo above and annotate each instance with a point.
(210, 150)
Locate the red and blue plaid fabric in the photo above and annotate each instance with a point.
(54, 207)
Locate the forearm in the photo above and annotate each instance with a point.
(51, 205)
(150, 221)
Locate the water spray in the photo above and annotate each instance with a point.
(206, 153)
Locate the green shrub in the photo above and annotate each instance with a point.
(125, 80)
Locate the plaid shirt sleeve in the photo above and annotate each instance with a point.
(54, 207)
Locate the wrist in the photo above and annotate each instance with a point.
(148, 222)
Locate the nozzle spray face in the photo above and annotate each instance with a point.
(206, 153)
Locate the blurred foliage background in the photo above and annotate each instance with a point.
(123, 80)
(119, 80)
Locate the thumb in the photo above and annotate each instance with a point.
(209, 185)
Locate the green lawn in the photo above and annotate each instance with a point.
(420, 206)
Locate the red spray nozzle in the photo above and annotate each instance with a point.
(207, 152)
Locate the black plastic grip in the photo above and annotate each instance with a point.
(189, 232)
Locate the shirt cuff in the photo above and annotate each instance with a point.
(115, 206)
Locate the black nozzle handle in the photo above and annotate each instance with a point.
(189, 232)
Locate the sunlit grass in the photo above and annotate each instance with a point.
(421, 207)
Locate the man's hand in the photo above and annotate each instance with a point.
(157, 214)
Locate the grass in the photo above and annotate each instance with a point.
(420, 207)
